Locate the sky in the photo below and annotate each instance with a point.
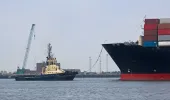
(75, 28)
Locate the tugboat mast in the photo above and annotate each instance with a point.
(49, 51)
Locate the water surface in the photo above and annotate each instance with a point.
(84, 89)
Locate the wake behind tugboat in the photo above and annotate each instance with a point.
(51, 72)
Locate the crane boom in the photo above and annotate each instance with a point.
(28, 46)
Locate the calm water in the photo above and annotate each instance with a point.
(84, 89)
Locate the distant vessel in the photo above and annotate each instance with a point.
(4, 76)
(148, 59)
(51, 72)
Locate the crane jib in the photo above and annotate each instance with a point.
(28, 47)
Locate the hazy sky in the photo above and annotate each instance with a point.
(75, 28)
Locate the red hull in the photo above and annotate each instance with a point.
(145, 77)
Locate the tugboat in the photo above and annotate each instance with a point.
(52, 72)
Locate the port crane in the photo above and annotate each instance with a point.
(21, 71)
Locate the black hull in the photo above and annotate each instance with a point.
(51, 77)
(138, 60)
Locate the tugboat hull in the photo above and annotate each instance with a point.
(51, 77)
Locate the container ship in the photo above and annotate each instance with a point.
(148, 58)
(51, 72)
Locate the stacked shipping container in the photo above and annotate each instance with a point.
(157, 32)
(164, 32)
(151, 32)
